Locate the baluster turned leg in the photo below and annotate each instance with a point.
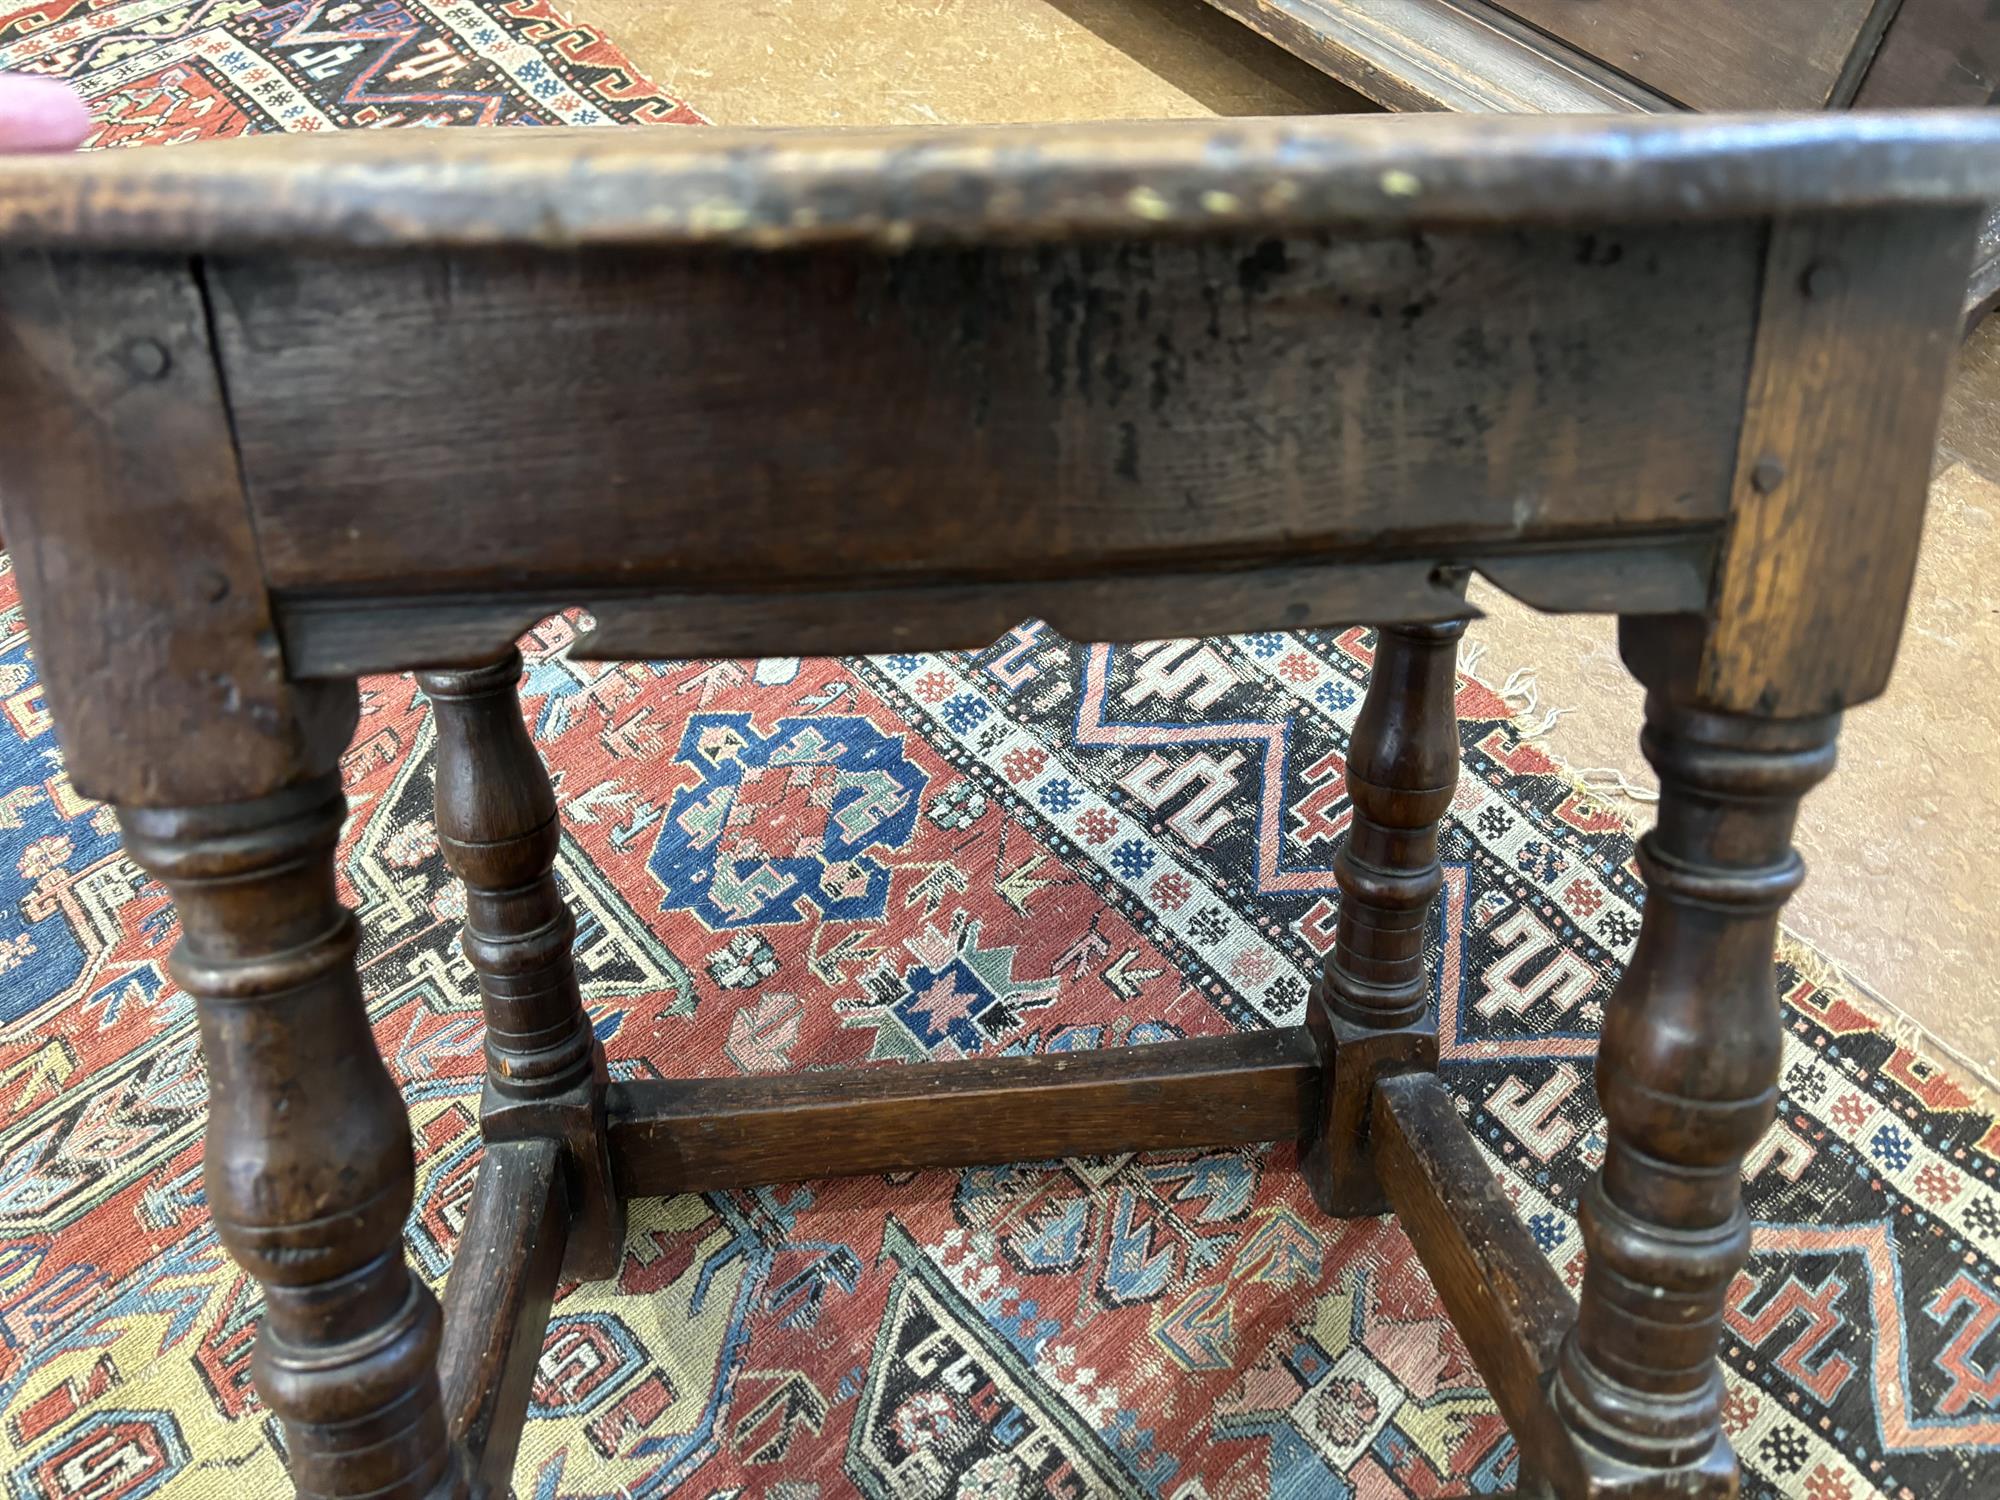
(309, 1170)
(497, 821)
(1687, 1072)
(1370, 1007)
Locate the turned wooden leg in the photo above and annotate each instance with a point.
(308, 1169)
(497, 822)
(1687, 1072)
(1370, 1008)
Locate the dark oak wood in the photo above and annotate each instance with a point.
(1441, 54)
(308, 1167)
(827, 391)
(1720, 54)
(1370, 1008)
(1687, 1073)
(1944, 53)
(1504, 1297)
(572, 189)
(499, 828)
(1083, 407)
(1613, 56)
(696, 1134)
(1832, 462)
(167, 681)
(345, 636)
(496, 1304)
(1936, 53)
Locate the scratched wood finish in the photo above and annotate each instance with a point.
(1944, 54)
(1475, 57)
(496, 1304)
(348, 635)
(1370, 1005)
(777, 189)
(1718, 54)
(166, 683)
(1079, 409)
(1833, 464)
(696, 1134)
(1687, 1073)
(1507, 1302)
(308, 1167)
(1440, 54)
(1551, 396)
(498, 825)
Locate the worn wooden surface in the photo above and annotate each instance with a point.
(1944, 53)
(1475, 57)
(1687, 1073)
(565, 189)
(1505, 1299)
(496, 1304)
(1718, 54)
(689, 1135)
(166, 682)
(1064, 412)
(762, 418)
(308, 1168)
(1370, 1005)
(1442, 55)
(500, 831)
(1936, 53)
(346, 635)
(1854, 346)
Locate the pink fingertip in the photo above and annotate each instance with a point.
(40, 114)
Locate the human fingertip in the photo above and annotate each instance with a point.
(40, 114)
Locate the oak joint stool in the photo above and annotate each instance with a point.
(266, 435)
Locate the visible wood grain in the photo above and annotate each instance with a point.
(1936, 53)
(341, 636)
(568, 189)
(128, 528)
(1715, 54)
(1370, 1006)
(348, 636)
(1441, 54)
(1505, 1299)
(500, 831)
(1854, 346)
(715, 422)
(699, 1134)
(496, 1304)
(308, 1169)
(1687, 1074)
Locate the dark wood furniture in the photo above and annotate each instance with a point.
(1655, 56)
(265, 434)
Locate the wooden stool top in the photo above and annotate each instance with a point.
(565, 189)
(281, 413)
(390, 397)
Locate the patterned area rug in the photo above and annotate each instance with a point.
(1033, 848)
(1028, 849)
(164, 71)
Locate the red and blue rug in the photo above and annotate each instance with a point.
(1034, 848)
(785, 864)
(159, 72)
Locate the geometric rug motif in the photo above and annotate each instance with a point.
(160, 72)
(787, 864)
(1034, 848)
